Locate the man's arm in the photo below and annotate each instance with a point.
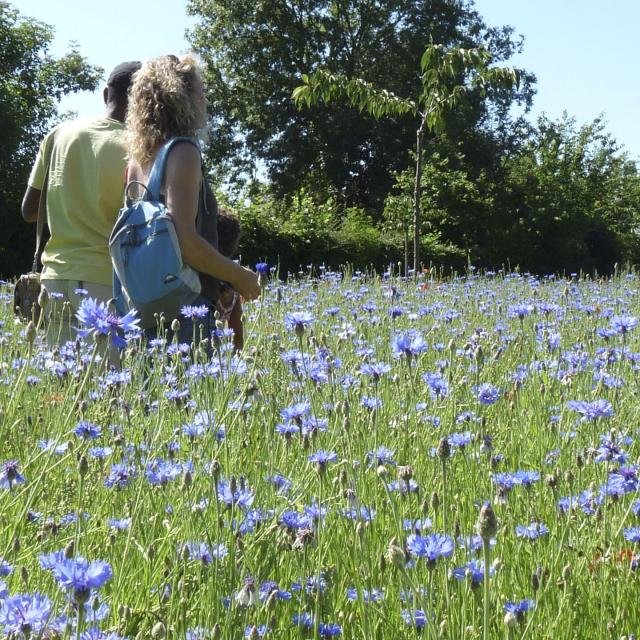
(30, 204)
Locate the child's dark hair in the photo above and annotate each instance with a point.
(228, 232)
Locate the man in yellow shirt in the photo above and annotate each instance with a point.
(86, 162)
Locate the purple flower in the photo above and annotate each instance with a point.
(431, 547)
(623, 324)
(591, 410)
(323, 458)
(87, 430)
(262, 269)
(195, 311)
(298, 321)
(97, 320)
(473, 570)
(10, 475)
(487, 394)
(24, 614)
(81, 576)
(417, 618)
(532, 531)
(518, 609)
(407, 345)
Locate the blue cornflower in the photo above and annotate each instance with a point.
(365, 514)
(296, 412)
(526, 478)
(159, 472)
(262, 268)
(100, 453)
(438, 386)
(80, 576)
(487, 394)
(460, 440)
(474, 570)
(532, 531)
(120, 476)
(10, 475)
(87, 430)
(375, 595)
(298, 321)
(287, 430)
(371, 402)
(240, 495)
(417, 526)
(623, 324)
(97, 320)
(381, 455)
(519, 310)
(121, 524)
(295, 520)
(5, 568)
(280, 482)
(312, 425)
(323, 458)
(194, 311)
(193, 430)
(417, 618)
(632, 534)
(431, 547)
(4, 592)
(304, 620)
(611, 448)
(375, 370)
(271, 589)
(518, 609)
(329, 629)
(25, 615)
(252, 631)
(408, 345)
(315, 511)
(591, 410)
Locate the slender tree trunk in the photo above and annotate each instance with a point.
(417, 197)
(406, 249)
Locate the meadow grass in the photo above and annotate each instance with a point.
(328, 481)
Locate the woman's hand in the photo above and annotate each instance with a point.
(246, 283)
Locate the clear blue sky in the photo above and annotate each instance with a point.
(583, 52)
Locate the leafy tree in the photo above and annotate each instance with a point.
(569, 199)
(255, 52)
(31, 85)
(446, 76)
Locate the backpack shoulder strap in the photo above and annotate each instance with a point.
(156, 176)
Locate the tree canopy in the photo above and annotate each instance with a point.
(32, 82)
(255, 54)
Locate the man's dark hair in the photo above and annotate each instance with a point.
(228, 232)
(120, 80)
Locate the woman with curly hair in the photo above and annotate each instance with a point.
(167, 100)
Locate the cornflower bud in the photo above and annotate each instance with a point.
(175, 325)
(31, 332)
(395, 555)
(83, 466)
(43, 298)
(444, 449)
(487, 523)
(158, 631)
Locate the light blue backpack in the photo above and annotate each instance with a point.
(148, 272)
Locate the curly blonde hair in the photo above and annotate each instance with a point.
(163, 103)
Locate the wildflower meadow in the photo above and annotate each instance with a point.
(387, 458)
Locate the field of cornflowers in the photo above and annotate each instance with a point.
(453, 459)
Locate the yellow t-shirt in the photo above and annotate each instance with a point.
(84, 194)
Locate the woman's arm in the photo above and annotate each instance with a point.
(182, 187)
